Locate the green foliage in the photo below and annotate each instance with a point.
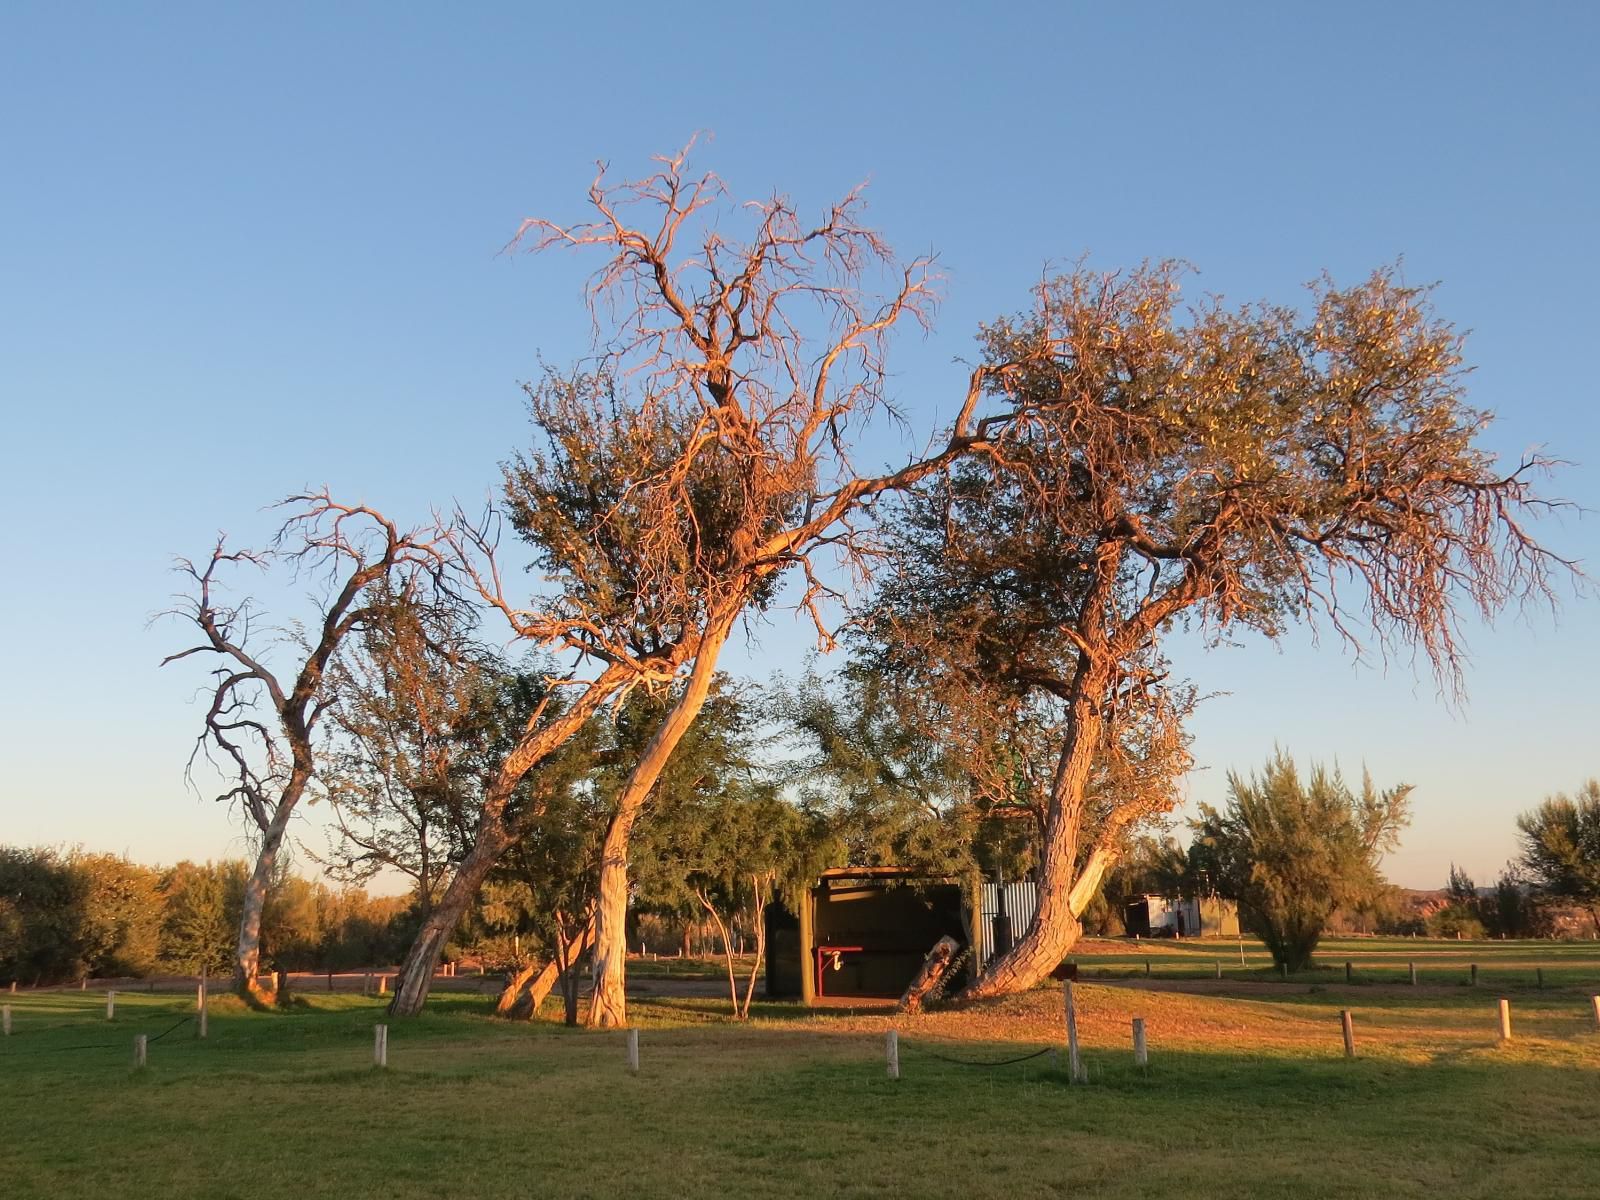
(890, 793)
(42, 900)
(122, 914)
(1561, 848)
(1291, 851)
(1512, 909)
(200, 921)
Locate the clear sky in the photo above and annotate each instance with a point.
(243, 250)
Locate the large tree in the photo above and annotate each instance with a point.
(1561, 848)
(707, 450)
(1291, 851)
(1238, 469)
(260, 727)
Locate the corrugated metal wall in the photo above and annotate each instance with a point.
(1021, 901)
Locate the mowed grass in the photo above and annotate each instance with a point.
(1247, 1094)
(1373, 960)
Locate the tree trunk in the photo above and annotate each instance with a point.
(416, 972)
(247, 950)
(934, 968)
(609, 1006)
(760, 907)
(513, 990)
(1063, 891)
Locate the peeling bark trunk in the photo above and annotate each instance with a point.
(934, 968)
(513, 989)
(608, 1007)
(416, 972)
(539, 980)
(1063, 893)
(492, 840)
(247, 948)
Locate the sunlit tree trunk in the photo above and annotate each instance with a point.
(416, 972)
(247, 951)
(609, 1007)
(1064, 891)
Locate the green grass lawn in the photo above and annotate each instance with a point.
(1247, 1094)
(1502, 965)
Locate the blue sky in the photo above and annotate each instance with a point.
(246, 250)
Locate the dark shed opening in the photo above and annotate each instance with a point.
(862, 933)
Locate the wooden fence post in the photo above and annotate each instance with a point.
(1413, 967)
(1141, 1052)
(383, 985)
(111, 1006)
(1594, 1000)
(1505, 1020)
(380, 1045)
(1075, 1072)
(141, 1047)
(1147, 968)
(1349, 1028)
(1540, 972)
(1474, 974)
(1349, 972)
(633, 1051)
(891, 1047)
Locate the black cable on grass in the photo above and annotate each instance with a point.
(102, 1045)
(967, 1062)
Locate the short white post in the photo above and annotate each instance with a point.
(380, 1045)
(200, 996)
(1219, 968)
(383, 985)
(1348, 1025)
(1505, 1020)
(633, 1051)
(5, 1016)
(1075, 1073)
(141, 1046)
(1141, 1053)
(1594, 1000)
(111, 1006)
(1413, 967)
(892, 1049)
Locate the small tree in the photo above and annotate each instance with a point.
(1561, 848)
(1291, 851)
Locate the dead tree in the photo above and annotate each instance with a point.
(260, 724)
